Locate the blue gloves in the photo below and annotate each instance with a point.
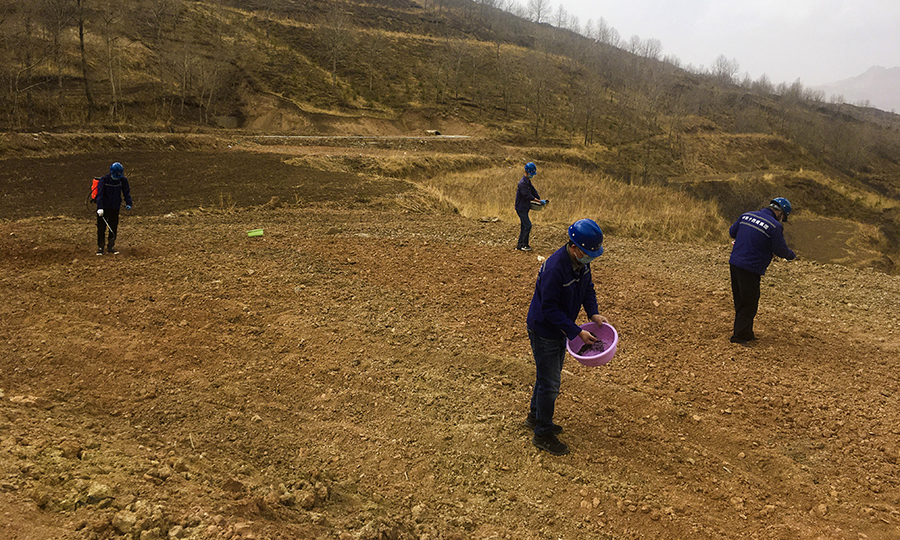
(127, 207)
(545, 201)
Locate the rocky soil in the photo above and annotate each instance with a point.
(361, 371)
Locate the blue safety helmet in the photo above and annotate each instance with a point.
(530, 169)
(586, 234)
(780, 203)
(116, 170)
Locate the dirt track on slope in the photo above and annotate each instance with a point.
(362, 371)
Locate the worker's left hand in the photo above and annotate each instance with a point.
(587, 338)
(127, 207)
(599, 319)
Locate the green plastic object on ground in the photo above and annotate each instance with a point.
(255, 232)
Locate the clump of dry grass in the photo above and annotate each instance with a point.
(426, 201)
(626, 210)
(395, 165)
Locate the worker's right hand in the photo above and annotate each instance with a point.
(100, 212)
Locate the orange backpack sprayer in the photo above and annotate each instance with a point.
(94, 184)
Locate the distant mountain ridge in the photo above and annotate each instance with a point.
(879, 86)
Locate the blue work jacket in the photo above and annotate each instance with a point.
(757, 236)
(525, 193)
(560, 292)
(110, 192)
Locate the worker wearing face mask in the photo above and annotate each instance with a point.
(564, 286)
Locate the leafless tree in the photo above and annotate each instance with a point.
(652, 48)
(561, 17)
(815, 96)
(673, 61)
(27, 52)
(607, 34)
(380, 55)
(57, 15)
(109, 13)
(515, 8)
(538, 10)
(157, 15)
(588, 30)
(504, 78)
(587, 106)
(538, 90)
(80, 17)
(762, 85)
(456, 52)
(335, 32)
(635, 44)
(725, 70)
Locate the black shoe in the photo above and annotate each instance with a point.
(112, 251)
(526, 248)
(549, 443)
(740, 341)
(531, 423)
(99, 251)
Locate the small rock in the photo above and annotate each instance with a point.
(71, 450)
(152, 534)
(307, 499)
(417, 512)
(98, 491)
(124, 521)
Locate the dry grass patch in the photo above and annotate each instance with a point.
(626, 210)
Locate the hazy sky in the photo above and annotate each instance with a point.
(816, 41)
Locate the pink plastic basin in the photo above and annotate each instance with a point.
(595, 357)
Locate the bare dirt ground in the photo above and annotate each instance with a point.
(362, 372)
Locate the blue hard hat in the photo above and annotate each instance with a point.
(588, 236)
(116, 170)
(530, 168)
(782, 204)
